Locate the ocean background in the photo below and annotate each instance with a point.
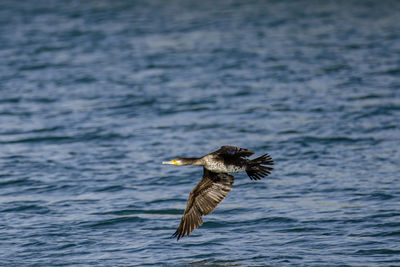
(95, 94)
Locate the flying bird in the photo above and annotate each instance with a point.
(216, 182)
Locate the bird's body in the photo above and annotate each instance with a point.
(219, 164)
(216, 182)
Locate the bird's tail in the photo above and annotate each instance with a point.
(256, 169)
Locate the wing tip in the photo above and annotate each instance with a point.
(178, 235)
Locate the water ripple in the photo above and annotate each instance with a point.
(96, 94)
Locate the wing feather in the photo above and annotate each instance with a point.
(203, 200)
(233, 151)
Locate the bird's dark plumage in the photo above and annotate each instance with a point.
(233, 151)
(216, 183)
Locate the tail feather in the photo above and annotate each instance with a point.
(256, 169)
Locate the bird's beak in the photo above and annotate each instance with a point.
(171, 162)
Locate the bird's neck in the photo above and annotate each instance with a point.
(192, 161)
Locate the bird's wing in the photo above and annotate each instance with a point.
(203, 200)
(233, 151)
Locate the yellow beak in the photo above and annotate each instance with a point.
(171, 162)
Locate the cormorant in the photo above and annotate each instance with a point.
(216, 183)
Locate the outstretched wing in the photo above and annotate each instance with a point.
(233, 151)
(203, 200)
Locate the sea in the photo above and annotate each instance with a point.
(95, 94)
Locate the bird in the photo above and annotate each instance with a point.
(216, 183)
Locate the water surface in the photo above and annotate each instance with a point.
(96, 94)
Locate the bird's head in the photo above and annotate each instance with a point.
(184, 161)
(177, 162)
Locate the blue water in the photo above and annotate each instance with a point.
(96, 94)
